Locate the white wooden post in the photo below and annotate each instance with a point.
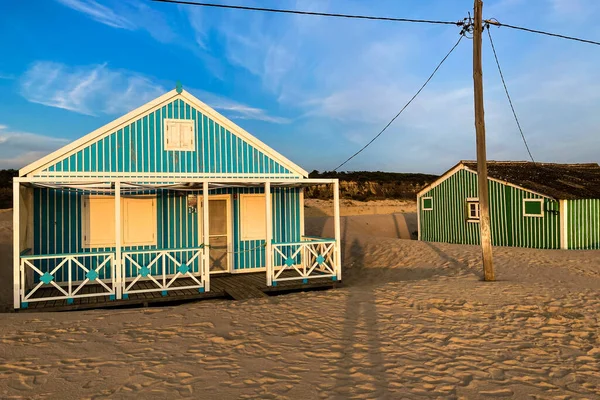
(269, 235)
(119, 265)
(337, 229)
(205, 238)
(564, 242)
(16, 246)
(418, 218)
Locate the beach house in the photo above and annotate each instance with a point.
(161, 203)
(539, 205)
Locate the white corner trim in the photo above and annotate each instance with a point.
(564, 231)
(541, 201)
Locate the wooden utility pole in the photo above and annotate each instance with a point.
(484, 208)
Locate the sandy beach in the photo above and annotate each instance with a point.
(413, 320)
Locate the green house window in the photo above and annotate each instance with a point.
(533, 207)
(427, 203)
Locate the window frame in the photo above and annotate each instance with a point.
(540, 215)
(85, 229)
(170, 147)
(423, 203)
(470, 217)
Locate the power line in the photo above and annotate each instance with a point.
(499, 24)
(507, 94)
(403, 108)
(300, 12)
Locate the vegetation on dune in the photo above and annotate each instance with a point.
(371, 185)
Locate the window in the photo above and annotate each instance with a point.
(253, 217)
(533, 207)
(138, 221)
(98, 221)
(180, 135)
(473, 210)
(427, 203)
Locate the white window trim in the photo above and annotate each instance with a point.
(470, 218)
(541, 201)
(168, 147)
(84, 227)
(423, 203)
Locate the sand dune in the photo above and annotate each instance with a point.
(413, 320)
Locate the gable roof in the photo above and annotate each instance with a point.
(560, 181)
(147, 108)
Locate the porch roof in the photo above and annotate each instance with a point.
(176, 184)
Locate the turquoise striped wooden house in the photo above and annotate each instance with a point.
(541, 205)
(159, 200)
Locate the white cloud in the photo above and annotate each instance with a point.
(18, 149)
(97, 89)
(6, 76)
(89, 90)
(126, 14)
(100, 13)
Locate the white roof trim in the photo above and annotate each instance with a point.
(147, 108)
(441, 179)
(460, 166)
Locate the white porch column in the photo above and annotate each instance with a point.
(337, 229)
(17, 284)
(205, 238)
(119, 273)
(269, 234)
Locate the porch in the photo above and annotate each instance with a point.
(223, 286)
(215, 259)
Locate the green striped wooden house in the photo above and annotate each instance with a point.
(541, 205)
(160, 200)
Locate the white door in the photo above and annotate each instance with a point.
(219, 222)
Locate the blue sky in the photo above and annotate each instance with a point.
(315, 89)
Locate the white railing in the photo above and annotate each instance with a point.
(68, 274)
(161, 269)
(310, 258)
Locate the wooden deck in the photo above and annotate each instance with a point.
(227, 286)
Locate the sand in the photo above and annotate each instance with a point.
(319, 208)
(413, 321)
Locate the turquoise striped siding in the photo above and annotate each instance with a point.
(57, 226)
(447, 222)
(583, 224)
(139, 148)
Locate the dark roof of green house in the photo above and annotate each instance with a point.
(560, 181)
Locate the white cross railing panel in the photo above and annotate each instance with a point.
(310, 258)
(162, 268)
(68, 274)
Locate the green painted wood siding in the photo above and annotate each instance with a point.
(583, 224)
(58, 226)
(447, 222)
(139, 147)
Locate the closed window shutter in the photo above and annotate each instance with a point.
(139, 226)
(99, 222)
(187, 136)
(174, 136)
(253, 217)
